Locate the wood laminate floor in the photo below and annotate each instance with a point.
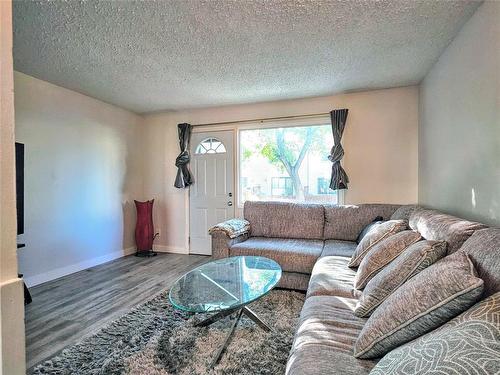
(65, 310)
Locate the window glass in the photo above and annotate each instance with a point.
(287, 164)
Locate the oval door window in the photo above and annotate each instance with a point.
(210, 146)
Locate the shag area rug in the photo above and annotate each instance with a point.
(156, 339)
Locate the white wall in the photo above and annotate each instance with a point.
(12, 358)
(460, 123)
(381, 143)
(83, 168)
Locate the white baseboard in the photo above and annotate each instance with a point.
(170, 249)
(63, 271)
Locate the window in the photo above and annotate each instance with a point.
(324, 186)
(210, 146)
(287, 164)
(281, 187)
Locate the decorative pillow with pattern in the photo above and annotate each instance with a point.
(382, 254)
(468, 344)
(431, 298)
(377, 234)
(377, 221)
(414, 259)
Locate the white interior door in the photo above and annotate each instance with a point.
(211, 197)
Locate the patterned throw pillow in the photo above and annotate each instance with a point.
(382, 254)
(423, 303)
(377, 234)
(378, 220)
(468, 344)
(413, 260)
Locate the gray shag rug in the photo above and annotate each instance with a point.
(156, 339)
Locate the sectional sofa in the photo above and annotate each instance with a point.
(314, 244)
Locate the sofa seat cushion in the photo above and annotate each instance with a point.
(325, 338)
(338, 248)
(293, 255)
(332, 277)
(294, 281)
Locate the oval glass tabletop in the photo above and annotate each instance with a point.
(225, 284)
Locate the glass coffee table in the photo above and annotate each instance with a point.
(226, 287)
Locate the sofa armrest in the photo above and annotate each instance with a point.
(232, 228)
(227, 234)
(221, 243)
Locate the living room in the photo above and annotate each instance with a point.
(292, 154)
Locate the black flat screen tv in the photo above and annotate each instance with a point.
(20, 187)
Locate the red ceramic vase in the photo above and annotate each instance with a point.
(144, 230)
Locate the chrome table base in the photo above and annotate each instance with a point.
(220, 315)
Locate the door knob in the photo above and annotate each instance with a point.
(229, 203)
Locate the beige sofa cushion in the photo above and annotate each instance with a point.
(347, 222)
(293, 255)
(285, 220)
(325, 338)
(437, 226)
(332, 277)
(417, 257)
(468, 344)
(338, 248)
(423, 303)
(382, 254)
(376, 235)
(294, 281)
(483, 248)
(404, 212)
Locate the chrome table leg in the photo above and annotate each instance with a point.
(222, 314)
(253, 316)
(226, 341)
(214, 318)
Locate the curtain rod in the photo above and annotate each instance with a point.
(262, 120)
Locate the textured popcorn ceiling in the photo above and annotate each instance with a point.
(169, 55)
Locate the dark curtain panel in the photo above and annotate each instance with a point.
(339, 179)
(184, 177)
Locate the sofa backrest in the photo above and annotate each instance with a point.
(285, 220)
(347, 222)
(480, 242)
(435, 225)
(483, 248)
